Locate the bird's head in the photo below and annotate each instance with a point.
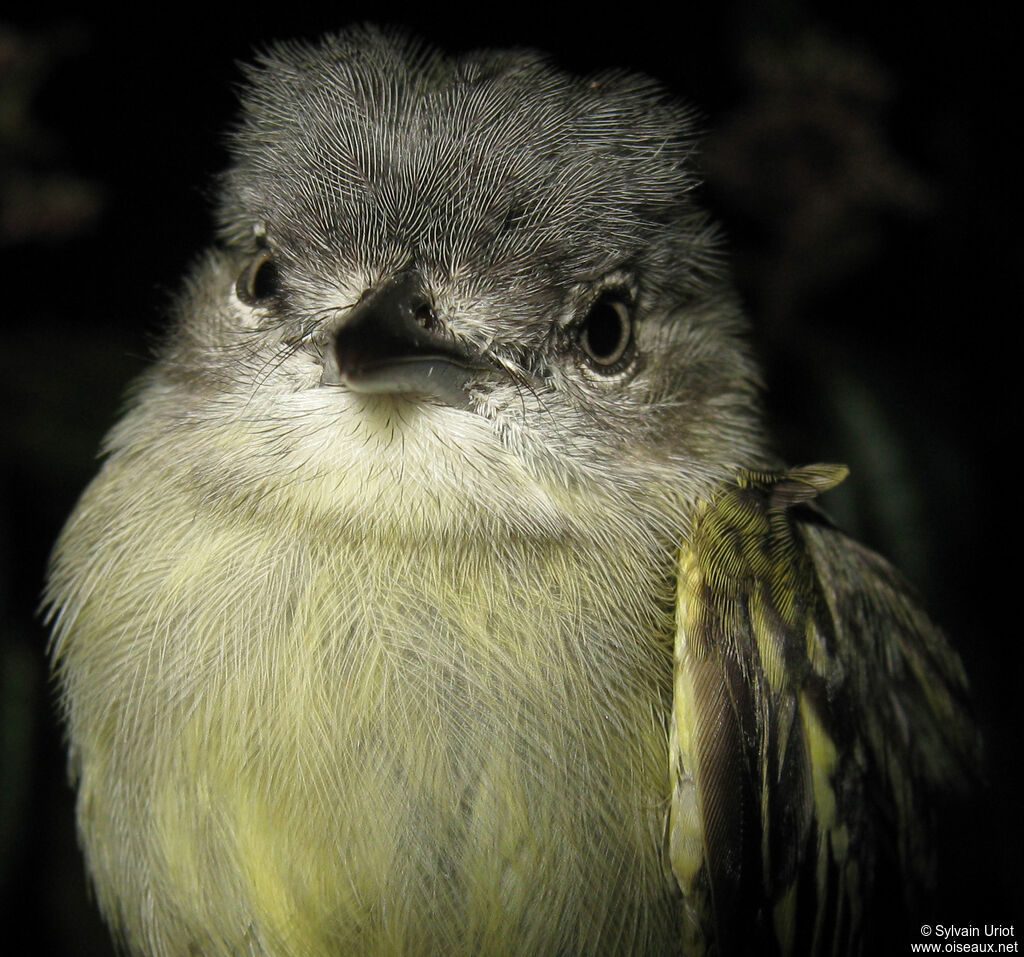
(474, 275)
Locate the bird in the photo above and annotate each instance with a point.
(441, 590)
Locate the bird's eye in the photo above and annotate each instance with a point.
(259, 280)
(606, 333)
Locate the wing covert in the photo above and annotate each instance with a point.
(812, 698)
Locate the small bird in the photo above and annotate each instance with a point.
(441, 592)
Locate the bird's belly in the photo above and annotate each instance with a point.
(418, 775)
(433, 827)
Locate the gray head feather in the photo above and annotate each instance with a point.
(373, 148)
(513, 197)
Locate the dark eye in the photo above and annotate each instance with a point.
(259, 280)
(606, 333)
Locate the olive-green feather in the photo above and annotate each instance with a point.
(795, 651)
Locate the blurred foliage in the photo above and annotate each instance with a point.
(40, 196)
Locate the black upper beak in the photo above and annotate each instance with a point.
(392, 342)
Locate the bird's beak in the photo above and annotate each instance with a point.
(392, 342)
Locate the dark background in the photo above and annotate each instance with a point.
(865, 165)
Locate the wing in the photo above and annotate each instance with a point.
(814, 704)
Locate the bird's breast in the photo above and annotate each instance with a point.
(453, 747)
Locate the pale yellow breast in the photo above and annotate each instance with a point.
(373, 747)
